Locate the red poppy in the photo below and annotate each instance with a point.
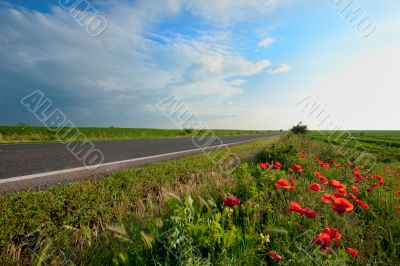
(291, 170)
(337, 165)
(295, 207)
(369, 189)
(323, 179)
(309, 213)
(298, 168)
(355, 189)
(264, 165)
(324, 164)
(352, 196)
(359, 167)
(231, 201)
(328, 199)
(277, 165)
(315, 187)
(352, 252)
(362, 204)
(357, 174)
(303, 157)
(340, 193)
(398, 193)
(274, 256)
(337, 184)
(332, 232)
(349, 163)
(283, 183)
(342, 205)
(292, 181)
(323, 240)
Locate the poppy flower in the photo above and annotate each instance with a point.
(340, 193)
(351, 196)
(303, 157)
(369, 189)
(298, 168)
(332, 232)
(349, 163)
(324, 164)
(337, 184)
(398, 193)
(359, 167)
(295, 207)
(291, 170)
(316, 158)
(328, 199)
(352, 252)
(323, 179)
(277, 165)
(231, 201)
(292, 181)
(362, 204)
(274, 256)
(322, 240)
(309, 213)
(355, 189)
(357, 175)
(264, 165)
(315, 187)
(283, 183)
(342, 205)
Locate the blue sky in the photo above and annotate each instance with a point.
(237, 64)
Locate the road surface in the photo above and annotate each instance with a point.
(35, 166)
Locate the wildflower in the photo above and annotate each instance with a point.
(291, 170)
(337, 184)
(362, 204)
(323, 240)
(359, 167)
(349, 163)
(277, 165)
(351, 195)
(315, 187)
(328, 199)
(274, 256)
(309, 213)
(340, 193)
(369, 189)
(324, 164)
(398, 193)
(231, 201)
(298, 168)
(342, 205)
(355, 189)
(295, 207)
(323, 179)
(357, 175)
(332, 232)
(352, 252)
(264, 165)
(283, 183)
(292, 181)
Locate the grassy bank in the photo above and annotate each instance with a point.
(16, 134)
(72, 220)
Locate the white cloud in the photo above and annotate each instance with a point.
(281, 68)
(266, 42)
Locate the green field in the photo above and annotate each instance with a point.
(384, 144)
(16, 134)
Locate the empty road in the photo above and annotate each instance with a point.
(24, 166)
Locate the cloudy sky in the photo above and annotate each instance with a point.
(245, 64)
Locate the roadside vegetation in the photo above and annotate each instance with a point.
(26, 133)
(296, 201)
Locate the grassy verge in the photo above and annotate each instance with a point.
(68, 222)
(17, 134)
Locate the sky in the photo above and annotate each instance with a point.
(236, 64)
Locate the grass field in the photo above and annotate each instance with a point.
(384, 144)
(14, 134)
(313, 208)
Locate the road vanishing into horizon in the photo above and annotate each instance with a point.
(39, 165)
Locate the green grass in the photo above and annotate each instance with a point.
(384, 144)
(23, 133)
(62, 213)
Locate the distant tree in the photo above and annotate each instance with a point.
(299, 128)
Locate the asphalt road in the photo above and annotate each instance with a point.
(25, 166)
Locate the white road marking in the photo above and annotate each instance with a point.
(71, 170)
